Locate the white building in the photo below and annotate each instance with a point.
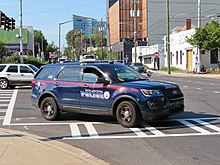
(151, 56)
(185, 56)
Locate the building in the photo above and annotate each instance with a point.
(87, 25)
(152, 56)
(122, 32)
(12, 42)
(180, 10)
(185, 56)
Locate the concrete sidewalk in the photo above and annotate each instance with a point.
(21, 148)
(180, 74)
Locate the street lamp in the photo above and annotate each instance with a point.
(61, 23)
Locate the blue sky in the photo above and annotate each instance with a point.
(45, 15)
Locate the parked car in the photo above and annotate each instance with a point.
(105, 89)
(139, 67)
(12, 75)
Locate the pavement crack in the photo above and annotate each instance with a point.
(4, 151)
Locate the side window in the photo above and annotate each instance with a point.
(69, 74)
(12, 68)
(44, 73)
(91, 74)
(2, 67)
(25, 69)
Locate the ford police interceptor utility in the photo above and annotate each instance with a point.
(104, 88)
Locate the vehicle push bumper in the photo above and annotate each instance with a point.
(158, 110)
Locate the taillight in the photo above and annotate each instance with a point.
(33, 82)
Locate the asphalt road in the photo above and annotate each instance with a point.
(187, 138)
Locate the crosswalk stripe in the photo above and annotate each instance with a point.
(152, 129)
(4, 100)
(5, 97)
(91, 130)
(207, 125)
(138, 132)
(74, 130)
(3, 105)
(6, 94)
(2, 117)
(198, 129)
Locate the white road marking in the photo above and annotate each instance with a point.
(5, 97)
(6, 94)
(216, 92)
(199, 82)
(152, 129)
(91, 130)
(4, 100)
(26, 127)
(185, 86)
(190, 125)
(74, 130)
(8, 115)
(25, 118)
(207, 124)
(4, 105)
(2, 110)
(211, 84)
(2, 117)
(138, 132)
(199, 89)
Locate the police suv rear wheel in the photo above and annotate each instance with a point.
(128, 114)
(49, 109)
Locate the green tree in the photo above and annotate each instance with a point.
(98, 38)
(3, 51)
(39, 42)
(207, 37)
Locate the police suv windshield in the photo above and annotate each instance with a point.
(122, 73)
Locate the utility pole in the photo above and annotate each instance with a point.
(198, 61)
(20, 34)
(135, 30)
(102, 39)
(168, 34)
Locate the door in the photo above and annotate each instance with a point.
(189, 64)
(94, 97)
(26, 74)
(13, 75)
(66, 88)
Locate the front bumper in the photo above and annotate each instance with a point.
(163, 110)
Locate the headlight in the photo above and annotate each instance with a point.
(147, 92)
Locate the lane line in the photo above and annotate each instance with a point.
(8, 115)
(208, 125)
(91, 130)
(185, 86)
(199, 89)
(192, 126)
(216, 92)
(152, 129)
(138, 132)
(149, 136)
(74, 130)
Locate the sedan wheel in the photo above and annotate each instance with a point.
(4, 83)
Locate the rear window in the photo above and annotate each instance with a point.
(2, 67)
(44, 73)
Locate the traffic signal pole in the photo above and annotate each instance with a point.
(20, 34)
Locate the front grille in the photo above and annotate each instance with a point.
(172, 93)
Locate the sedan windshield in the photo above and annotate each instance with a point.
(122, 73)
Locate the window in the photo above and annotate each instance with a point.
(69, 74)
(91, 75)
(147, 60)
(177, 57)
(214, 57)
(13, 69)
(181, 57)
(2, 67)
(25, 69)
(44, 73)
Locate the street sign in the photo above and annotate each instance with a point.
(51, 54)
(156, 54)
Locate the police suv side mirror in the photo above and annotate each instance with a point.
(102, 80)
(149, 73)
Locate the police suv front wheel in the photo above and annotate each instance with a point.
(128, 114)
(49, 109)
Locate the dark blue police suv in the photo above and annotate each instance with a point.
(103, 88)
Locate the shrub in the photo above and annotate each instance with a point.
(34, 61)
(172, 68)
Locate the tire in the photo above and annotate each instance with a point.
(49, 109)
(128, 114)
(4, 84)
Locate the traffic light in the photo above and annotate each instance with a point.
(11, 24)
(2, 18)
(6, 23)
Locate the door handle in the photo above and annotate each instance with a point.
(22, 74)
(8, 74)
